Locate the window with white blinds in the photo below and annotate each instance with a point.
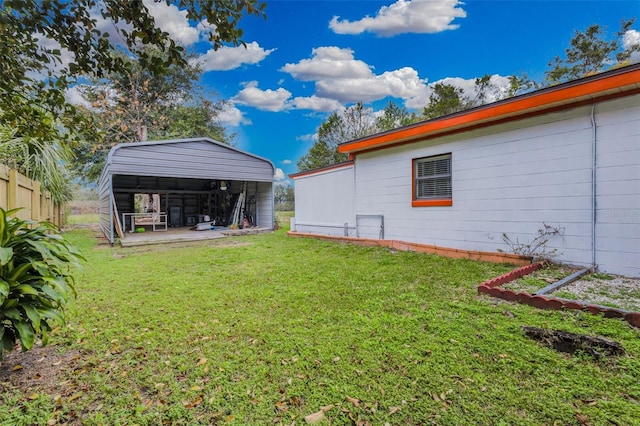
(433, 177)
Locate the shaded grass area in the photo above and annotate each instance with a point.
(83, 219)
(268, 329)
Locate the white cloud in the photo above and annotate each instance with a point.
(308, 137)
(266, 100)
(279, 175)
(74, 96)
(232, 116)
(630, 40)
(286, 162)
(328, 62)
(402, 83)
(340, 78)
(174, 21)
(205, 27)
(167, 17)
(405, 16)
(316, 103)
(228, 58)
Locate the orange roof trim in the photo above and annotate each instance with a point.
(611, 84)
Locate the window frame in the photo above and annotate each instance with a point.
(429, 202)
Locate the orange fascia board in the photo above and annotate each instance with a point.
(322, 170)
(615, 83)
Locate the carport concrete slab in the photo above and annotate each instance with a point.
(186, 234)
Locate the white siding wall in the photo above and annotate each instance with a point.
(511, 179)
(324, 202)
(618, 186)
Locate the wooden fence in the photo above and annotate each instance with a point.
(18, 191)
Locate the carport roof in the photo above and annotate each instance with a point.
(200, 158)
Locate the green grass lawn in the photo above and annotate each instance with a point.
(283, 218)
(268, 329)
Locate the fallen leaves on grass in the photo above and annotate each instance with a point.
(315, 418)
(393, 410)
(584, 420)
(354, 401)
(318, 416)
(192, 404)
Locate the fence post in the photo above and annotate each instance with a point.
(35, 201)
(12, 197)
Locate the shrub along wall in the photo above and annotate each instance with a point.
(18, 191)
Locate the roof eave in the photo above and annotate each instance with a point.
(320, 170)
(617, 83)
(113, 150)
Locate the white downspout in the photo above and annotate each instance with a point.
(593, 185)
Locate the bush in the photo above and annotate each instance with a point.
(36, 280)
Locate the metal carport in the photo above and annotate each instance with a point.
(190, 176)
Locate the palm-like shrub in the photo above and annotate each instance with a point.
(36, 280)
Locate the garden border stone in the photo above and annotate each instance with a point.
(493, 288)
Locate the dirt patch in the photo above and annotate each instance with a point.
(155, 248)
(40, 369)
(563, 341)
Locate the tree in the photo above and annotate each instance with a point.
(519, 85)
(352, 123)
(37, 35)
(284, 197)
(320, 155)
(394, 116)
(133, 104)
(38, 161)
(445, 99)
(193, 120)
(448, 99)
(589, 53)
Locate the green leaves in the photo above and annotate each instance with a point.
(25, 333)
(590, 52)
(47, 46)
(354, 122)
(36, 279)
(6, 253)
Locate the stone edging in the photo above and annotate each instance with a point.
(492, 288)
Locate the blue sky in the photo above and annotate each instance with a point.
(310, 58)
